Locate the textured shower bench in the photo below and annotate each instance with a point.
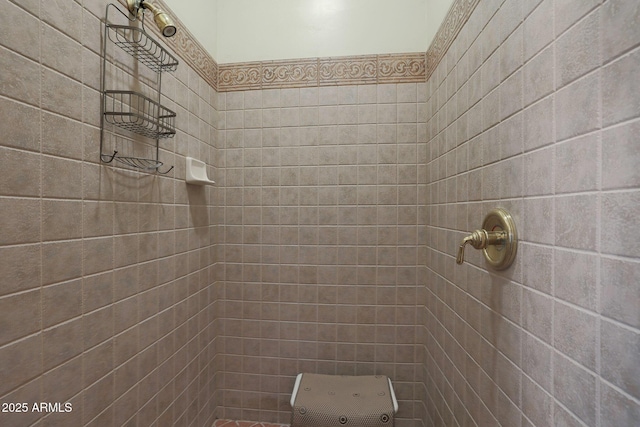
(340, 400)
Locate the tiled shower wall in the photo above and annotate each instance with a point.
(322, 221)
(107, 274)
(535, 108)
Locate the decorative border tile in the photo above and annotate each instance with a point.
(346, 70)
(298, 73)
(456, 17)
(401, 68)
(245, 76)
(233, 423)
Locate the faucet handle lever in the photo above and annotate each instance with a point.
(480, 239)
(477, 239)
(460, 257)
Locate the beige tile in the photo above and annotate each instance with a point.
(61, 220)
(367, 94)
(97, 291)
(619, 95)
(576, 176)
(406, 92)
(20, 315)
(538, 172)
(538, 76)
(575, 334)
(97, 255)
(60, 94)
(576, 277)
(536, 361)
(97, 326)
(22, 176)
(21, 80)
(619, 158)
(62, 342)
(407, 113)
(126, 345)
(537, 314)
(17, 274)
(538, 124)
(490, 109)
(568, 12)
(575, 53)
(20, 125)
(619, 352)
(91, 27)
(61, 384)
(62, 178)
(509, 17)
(577, 107)
(575, 387)
(126, 218)
(569, 233)
(97, 398)
(61, 53)
(618, 31)
(22, 221)
(67, 17)
(565, 417)
(20, 362)
(618, 296)
(490, 73)
(63, 137)
(619, 240)
(536, 29)
(23, 31)
(616, 408)
(61, 302)
(97, 219)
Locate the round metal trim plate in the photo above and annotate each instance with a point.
(501, 256)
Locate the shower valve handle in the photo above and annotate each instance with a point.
(481, 239)
(499, 245)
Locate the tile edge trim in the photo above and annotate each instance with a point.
(457, 16)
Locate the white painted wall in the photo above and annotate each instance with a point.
(436, 12)
(201, 19)
(251, 30)
(261, 30)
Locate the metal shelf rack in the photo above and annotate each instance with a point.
(139, 114)
(130, 110)
(145, 49)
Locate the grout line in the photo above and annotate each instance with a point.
(599, 221)
(41, 181)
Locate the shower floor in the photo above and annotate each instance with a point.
(232, 423)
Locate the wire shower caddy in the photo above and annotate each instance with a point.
(130, 110)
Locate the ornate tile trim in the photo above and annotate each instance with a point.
(245, 76)
(298, 73)
(456, 17)
(401, 68)
(346, 70)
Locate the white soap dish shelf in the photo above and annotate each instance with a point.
(197, 172)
